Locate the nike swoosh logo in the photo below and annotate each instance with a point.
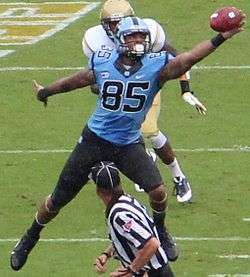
(139, 76)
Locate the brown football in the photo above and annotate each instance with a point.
(225, 19)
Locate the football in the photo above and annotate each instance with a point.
(225, 19)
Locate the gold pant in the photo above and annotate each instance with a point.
(149, 127)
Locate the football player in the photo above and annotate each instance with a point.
(103, 37)
(113, 131)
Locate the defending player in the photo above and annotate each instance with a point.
(103, 36)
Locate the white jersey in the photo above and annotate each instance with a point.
(96, 38)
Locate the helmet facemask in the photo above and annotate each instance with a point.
(133, 37)
(106, 26)
(133, 47)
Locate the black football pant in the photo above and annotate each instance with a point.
(132, 160)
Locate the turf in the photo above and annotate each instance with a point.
(220, 180)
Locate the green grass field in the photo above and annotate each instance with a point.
(209, 228)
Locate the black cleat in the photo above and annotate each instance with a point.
(21, 251)
(168, 244)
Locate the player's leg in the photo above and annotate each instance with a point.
(164, 151)
(149, 128)
(134, 162)
(73, 176)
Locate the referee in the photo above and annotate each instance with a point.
(131, 230)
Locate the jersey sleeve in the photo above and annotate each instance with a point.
(159, 40)
(87, 51)
(95, 39)
(132, 229)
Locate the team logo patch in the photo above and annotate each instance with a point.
(28, 23)
(105, 74)
(127, 226)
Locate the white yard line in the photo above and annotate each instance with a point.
(229, 275)
(56, 240)
(242, 239)
(45, 15)
(212, 67)
(44, 3)
(5, 52)
(30, 23)
(234, 256)
(41, 151)
(16, 38)
(49, 68)
(46, 68)
(198, 150)
(247, 219)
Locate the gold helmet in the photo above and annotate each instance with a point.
(114, 10)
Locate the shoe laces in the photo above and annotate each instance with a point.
(181, 186)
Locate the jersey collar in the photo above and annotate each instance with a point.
(127, 72)
(112, 202)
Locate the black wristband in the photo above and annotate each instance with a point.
(217, 40)
(43, 94)
(107, 254)
(184, 86)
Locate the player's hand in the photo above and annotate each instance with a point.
(100, 264)
(121, 272)
(234, 31)
(193, 101)
(38, 88)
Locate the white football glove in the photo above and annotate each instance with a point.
(193, 101)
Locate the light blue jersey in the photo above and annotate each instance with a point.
(125, 96)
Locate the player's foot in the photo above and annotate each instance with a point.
(21, 251)
(183, 190)
(168, 244)
(153, 156)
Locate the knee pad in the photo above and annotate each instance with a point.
(158, 140)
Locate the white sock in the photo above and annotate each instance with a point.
(158, 141)
(175, 169)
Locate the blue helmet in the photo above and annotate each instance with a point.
(128, 26)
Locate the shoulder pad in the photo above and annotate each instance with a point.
(157, 34)
(95, 38)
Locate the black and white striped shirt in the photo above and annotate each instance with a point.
(130, 229)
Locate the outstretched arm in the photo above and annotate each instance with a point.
(183, 62)
(80, 79)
